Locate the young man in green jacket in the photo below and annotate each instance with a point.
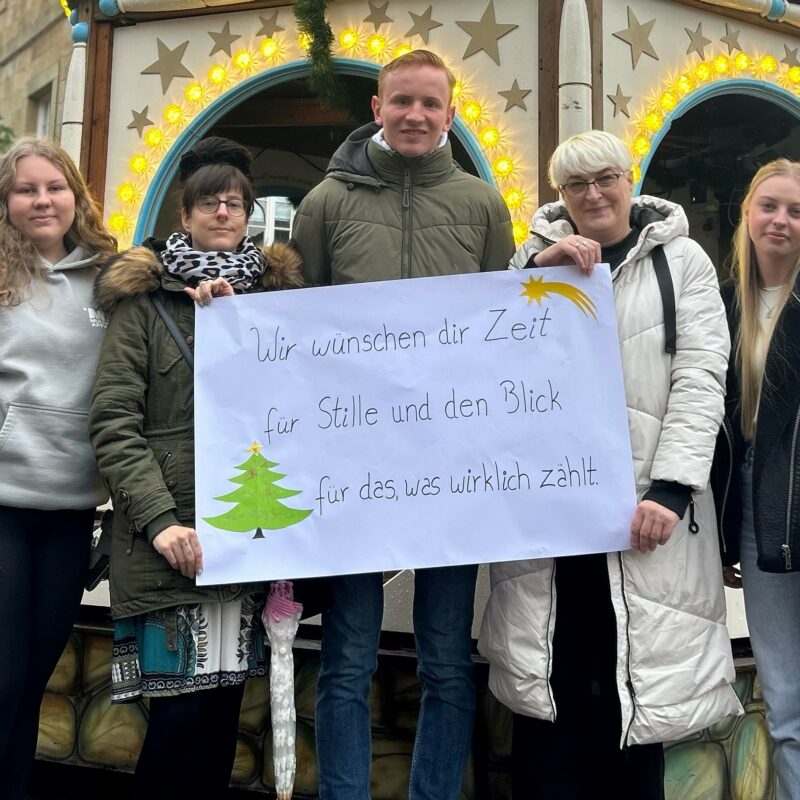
(395, 205)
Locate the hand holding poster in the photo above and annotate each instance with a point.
(414, 423)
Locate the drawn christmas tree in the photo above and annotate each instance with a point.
(258, 499)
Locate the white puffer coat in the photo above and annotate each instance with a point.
(674, 663)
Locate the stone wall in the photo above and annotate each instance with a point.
(730, 761)
(35, 50)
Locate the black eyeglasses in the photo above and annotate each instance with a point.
(577, 188)
(209, 205)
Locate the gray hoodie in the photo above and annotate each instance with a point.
(48, 353)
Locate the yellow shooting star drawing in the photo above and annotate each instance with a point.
(537, 289)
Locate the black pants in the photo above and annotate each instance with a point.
(190, 745)
(578, 757)
(44, 556)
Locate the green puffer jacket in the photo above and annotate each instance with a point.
(377, 216)
(142, 425)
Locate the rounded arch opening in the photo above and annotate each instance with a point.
(707, 156)
(291, 136)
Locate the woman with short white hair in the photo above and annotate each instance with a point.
(605, 656)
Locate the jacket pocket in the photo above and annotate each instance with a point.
(46, 460)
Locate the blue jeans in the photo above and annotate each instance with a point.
(443, 609)
(772, 605)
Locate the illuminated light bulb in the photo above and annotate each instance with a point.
(126, 192)
(472, 111)
(173, 114)
(653, 121)
(305, 40)
(154, 137)
(743, 61)
(139, 164)
(118, 222)
(503, 167)
(457, 89)
(668, 101)
(194, 93)
(349, 39)
(685, 83)
(376, 44)
(217, 74)
(520, 231)
(489, 137)
(269, 48)
(794, 74)
(402, 50)
(703, 72)
(636, 173)
(243, 59)
(641, 145)
(767, 64)
(514, 198)
(722, 64)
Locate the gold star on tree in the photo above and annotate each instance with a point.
(485, 34)
(790, 59)
(269, 25)
(423, 25)
(168, 65)
(697, 42)
(731, 38)
(223, 39)
(255, 448)
(515, 96)
(637, 37)
(620, 102)
(377, 14)
(140, 120)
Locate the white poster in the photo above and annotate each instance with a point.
(413, 423)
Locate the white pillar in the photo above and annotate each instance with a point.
(574, 70)
(72, 118)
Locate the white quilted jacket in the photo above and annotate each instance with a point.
(674, 663)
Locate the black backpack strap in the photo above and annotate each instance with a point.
(172, 327)
(667, 298)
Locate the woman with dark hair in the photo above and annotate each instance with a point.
(189, 649)
(51, 241)
(756, 464)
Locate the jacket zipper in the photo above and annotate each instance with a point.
(553, 601)
(405, 260)
(693, 526)
(629, 681)
(785, 548)
(728, 480)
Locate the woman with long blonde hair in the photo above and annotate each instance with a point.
(757, 465)
(51, 241)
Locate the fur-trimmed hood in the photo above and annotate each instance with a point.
(139, 271)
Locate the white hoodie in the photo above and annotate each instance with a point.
(48, 353)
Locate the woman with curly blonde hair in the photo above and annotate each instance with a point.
(757, 463)
(51, 242)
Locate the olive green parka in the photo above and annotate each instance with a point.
(379, 216)
(142, 424)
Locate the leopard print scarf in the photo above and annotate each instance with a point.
(242, 268)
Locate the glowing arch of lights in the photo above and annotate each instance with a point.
(754, 74)
(186, 117)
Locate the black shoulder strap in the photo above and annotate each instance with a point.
(172, 327)
(667, 298)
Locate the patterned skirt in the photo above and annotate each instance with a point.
(187, 648)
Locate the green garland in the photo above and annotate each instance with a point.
(310, 16)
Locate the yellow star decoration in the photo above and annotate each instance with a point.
(537, 289)
(255, 448)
